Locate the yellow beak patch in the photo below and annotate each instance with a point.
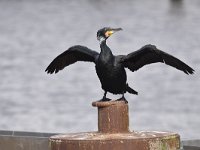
(109, 33)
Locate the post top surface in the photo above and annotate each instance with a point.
(103, 136)
(107, 103)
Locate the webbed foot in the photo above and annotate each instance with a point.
(122, 99)
(104, 99)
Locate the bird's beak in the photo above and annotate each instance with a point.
(111, 31)
(117, 29)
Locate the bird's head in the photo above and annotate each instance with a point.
(106, 32)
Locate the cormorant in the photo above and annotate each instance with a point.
(110, 68)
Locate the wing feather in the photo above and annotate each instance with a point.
(150, 54)
(70, 56)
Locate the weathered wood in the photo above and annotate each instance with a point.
(13, 140)
(39, 141)
(114, 134)
(112, 117)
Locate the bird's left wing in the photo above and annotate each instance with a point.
(150, 54)
(70, 56)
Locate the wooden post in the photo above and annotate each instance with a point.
(114, 134)
(112, 117)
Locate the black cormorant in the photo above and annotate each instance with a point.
(110, 68)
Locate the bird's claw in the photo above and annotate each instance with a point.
(122, 99)
(104, 99)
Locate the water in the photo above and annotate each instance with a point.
(35, 32)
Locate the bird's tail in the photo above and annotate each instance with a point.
(130, 90)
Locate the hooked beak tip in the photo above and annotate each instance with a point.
(117, 29)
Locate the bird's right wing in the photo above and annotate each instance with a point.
(70, 56)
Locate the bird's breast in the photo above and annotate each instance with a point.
(110, 71)
(112, 77)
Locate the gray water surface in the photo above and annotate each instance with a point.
(33, 33)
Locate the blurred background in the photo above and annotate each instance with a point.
(33, 33)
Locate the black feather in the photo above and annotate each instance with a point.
(110, 68)
(70, 56)
(150, 54)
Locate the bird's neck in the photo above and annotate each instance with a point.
(105, 50)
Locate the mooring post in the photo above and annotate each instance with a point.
(113, 133)
(112, 117)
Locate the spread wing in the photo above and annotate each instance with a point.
(70, 56)
(150, 54)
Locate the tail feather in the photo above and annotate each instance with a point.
(130, 90)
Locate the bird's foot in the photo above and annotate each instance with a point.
(122, 99)
(104, 99)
